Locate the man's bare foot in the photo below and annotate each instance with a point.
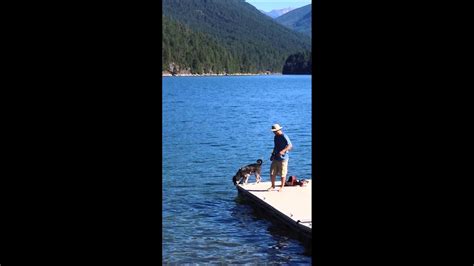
(270, 189)
(280, 189)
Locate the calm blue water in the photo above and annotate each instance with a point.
(212, 126)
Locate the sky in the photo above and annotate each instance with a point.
(269, 5)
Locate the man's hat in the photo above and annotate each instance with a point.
(276, 127)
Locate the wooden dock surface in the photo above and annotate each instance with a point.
(292, 205)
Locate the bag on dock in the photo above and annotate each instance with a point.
(302, 182)
(291, 181)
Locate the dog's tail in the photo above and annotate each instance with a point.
(259, 161)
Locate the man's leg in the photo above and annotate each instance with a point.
(273, 177)
(283, 179)
(284, 171)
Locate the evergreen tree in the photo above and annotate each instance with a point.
(225, 36)
(299, 63)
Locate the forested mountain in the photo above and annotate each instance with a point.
(298, 20)
(195, 53)
(225, 35)
(299, 63)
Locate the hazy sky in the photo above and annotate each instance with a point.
(269, 5)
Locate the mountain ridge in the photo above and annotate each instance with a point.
(298, 20)
(252, 41)
(277, 12)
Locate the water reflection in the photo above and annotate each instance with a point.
(211, 127)
(282, 236)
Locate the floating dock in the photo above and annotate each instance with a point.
(291, 206)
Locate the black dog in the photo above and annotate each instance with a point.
(243, 174)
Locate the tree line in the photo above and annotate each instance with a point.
(298, 63)
(225, 36)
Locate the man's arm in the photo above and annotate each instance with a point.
(287, 148)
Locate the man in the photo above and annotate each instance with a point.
(280, 156)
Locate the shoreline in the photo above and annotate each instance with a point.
(207, 74)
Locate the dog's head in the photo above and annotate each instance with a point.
(236, 177)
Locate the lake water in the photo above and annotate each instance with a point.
(212, 126)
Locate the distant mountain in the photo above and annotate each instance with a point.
(225, 36)
(277, 12)
(298, 20)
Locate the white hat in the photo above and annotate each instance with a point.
(276, 127)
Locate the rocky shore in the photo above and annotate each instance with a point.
(167, 74)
